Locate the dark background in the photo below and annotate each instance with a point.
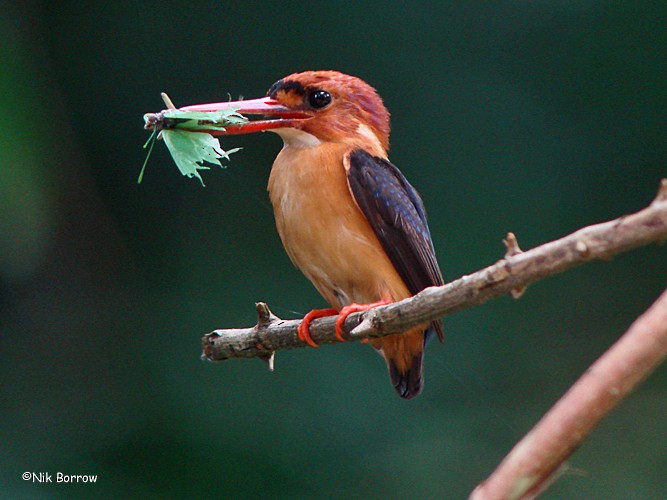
(535, 117)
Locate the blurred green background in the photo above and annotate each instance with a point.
(535, 117)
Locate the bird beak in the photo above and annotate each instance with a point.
(274, 114)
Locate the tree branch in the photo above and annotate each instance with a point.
(537, 459)
(509, 275)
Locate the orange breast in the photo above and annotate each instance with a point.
(324, 232)
(328, 238)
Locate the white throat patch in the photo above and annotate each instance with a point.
(297, 138)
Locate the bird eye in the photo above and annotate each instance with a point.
(319, 98)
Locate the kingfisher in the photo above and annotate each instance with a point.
(347, 217)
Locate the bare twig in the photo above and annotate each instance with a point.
(513, 249)
(537, 458)
(512, 273)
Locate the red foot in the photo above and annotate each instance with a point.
(304, 328)
(352, 308)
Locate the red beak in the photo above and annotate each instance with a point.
(284, 117)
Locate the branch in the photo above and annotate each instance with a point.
(509, 275)
(538, 458)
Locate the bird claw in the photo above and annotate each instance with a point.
(347, 310)
(303, 331)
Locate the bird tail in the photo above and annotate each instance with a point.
(404, 354)
(408, 383)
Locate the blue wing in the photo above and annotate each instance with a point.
(397, 215)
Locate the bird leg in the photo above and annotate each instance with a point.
(304, 327)
(352, 308)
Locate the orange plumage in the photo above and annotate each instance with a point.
(347, 217)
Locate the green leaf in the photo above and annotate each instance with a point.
(184, 133)
(204, 120)
(190, 150)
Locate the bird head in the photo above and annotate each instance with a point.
(313, 107)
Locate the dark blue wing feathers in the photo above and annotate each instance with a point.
(397, 215)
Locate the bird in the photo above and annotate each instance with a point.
(347, 217)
